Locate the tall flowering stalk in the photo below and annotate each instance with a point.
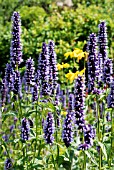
(43, 66)
(67, 133)
(102, 40)
(30, 72)
(49, 129)
(4, 90)
(17, 83)
(9, 74)
(16, 47)
(25, 129)
(79, 99)
(91, 63)
(53, 65)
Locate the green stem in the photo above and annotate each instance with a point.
(84, 165)
(99, 133)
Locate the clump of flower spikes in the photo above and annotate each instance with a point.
(79, 102)
(43, 68)
(16, 47)
(30, 71)
(89, 135)
(53, 65)
(8, 164)
(48, 128)
(91, 63)
(25, 129)
(67, 133)
(110, 99)
(102, 40)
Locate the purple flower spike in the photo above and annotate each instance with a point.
(30, 72)
(67, 133)
(91, 63)
(110, 98)
(25, 129)
(107, 71)
(16, 47)
(3, 91)
(8, 164)
(102, 40)
(53, 64)
(35, 93)
(17, 83)
(9, 74)
(49, 129)
(79, 98)
(43, 67)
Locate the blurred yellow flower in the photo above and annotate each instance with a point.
(77, 53)
(71, 76)
(59, 66)
(64, 113)
(63, 65)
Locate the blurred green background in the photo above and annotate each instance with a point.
(42, 20)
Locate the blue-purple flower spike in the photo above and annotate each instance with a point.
(67, 133)
(79, 98)
(102, 40)
(107, 71)
(16, 47)
(91, 63)
(9, 74)
(30, 72)
(4, 90)
(8, 164)
(25, 129)
(35, 93)
(53, 64)
(17, 83)
(49, 128)
(110, 99)
(43, 67)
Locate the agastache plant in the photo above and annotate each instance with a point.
(49, 128)
(102, 40)
(91, 63)
(43, 67)
(4, 90)
(79, 99)
(9, 74)
(67, 133)
(17, 83)
(16, 47)
(30, 72)
(25, 129)
(53, 65)
(110, 99)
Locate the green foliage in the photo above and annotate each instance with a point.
(68, 27)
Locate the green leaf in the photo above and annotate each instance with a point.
(91, 157)
(103, 149)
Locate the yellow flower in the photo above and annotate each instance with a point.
(66, 65)
(68, 54)
(64, 113)
(59, 66)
